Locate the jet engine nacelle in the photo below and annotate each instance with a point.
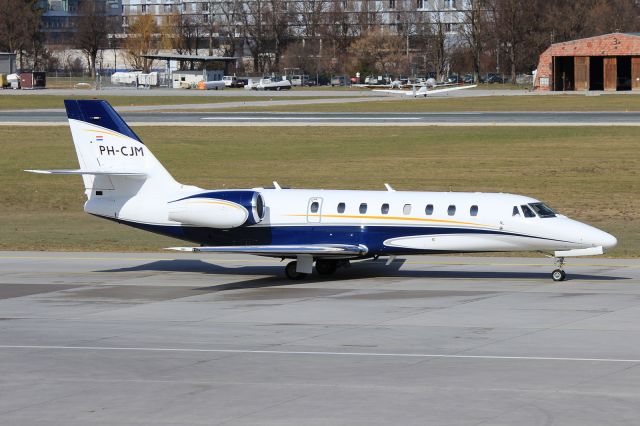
(219, 209)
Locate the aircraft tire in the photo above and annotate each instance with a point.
(558, 275)
(291, 273)
(326, 267)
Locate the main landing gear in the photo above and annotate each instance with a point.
(559, 274)
(326, 267)
(291, 273)
(323, 267)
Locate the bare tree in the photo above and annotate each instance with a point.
(278, 17)
(94, 27)
(229, 19)
(140, 41)
(309, 15)
(378, 53)
(513, 23)
(608, 16)
(181, 32)
(475, 31)
(437, 47)
(267, 32)
(339, 31)
(254, 27)
(412, 25)
(20, 27)
(368, 16)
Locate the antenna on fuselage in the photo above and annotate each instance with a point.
(389, 188)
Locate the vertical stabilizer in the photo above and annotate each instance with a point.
(105, 144)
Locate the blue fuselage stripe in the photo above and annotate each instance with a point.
(371, 236)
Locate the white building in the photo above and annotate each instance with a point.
(390, 14)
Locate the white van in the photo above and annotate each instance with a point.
(299, 80)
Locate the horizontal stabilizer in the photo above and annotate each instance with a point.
(86, 172)
(321, 250)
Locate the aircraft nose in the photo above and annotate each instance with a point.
(600, 238)
(608, 241)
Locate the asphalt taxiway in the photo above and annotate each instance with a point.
(177, 339)
(191, 118)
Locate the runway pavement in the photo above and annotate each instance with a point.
(133, 339)
(155, 118)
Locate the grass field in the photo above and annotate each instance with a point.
(10, 102)
(548, 103)
(591, 174)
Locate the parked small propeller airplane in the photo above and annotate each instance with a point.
(425, 91)
(125, 183)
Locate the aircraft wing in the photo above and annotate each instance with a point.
(394, 92)
(319, 250)
(425, 93)
(450, 89)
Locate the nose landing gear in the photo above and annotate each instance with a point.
(559, 274)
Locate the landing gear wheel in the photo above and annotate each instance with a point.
(278, 88)
(558, 275)
(291, 273)
(326, 267)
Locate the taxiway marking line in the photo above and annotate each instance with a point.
(338, 119)
(321, 353)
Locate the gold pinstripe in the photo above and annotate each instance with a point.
(409, 219)
(107, 133)
(224, 203)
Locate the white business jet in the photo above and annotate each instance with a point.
(125, 183)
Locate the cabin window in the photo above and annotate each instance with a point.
(451, 210)
(473, 211)
(407, 209)
(363, 208)
(314, 207)
(543, 210)
(428, 210)
(527, 211)
(516, 212)
(341, 207)
(384, 209)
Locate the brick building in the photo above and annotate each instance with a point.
(608, 62)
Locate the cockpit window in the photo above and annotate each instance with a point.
(516, 212)
(543, 210)
(527, 211)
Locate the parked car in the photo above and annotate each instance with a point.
(273, 84)
(232, 81)
(495, 78)
(299, 80)
(454, 79)
(468, 79)
(339, 80)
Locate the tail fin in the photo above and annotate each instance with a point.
(105, 143)
(111, 156)
(122, 178)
